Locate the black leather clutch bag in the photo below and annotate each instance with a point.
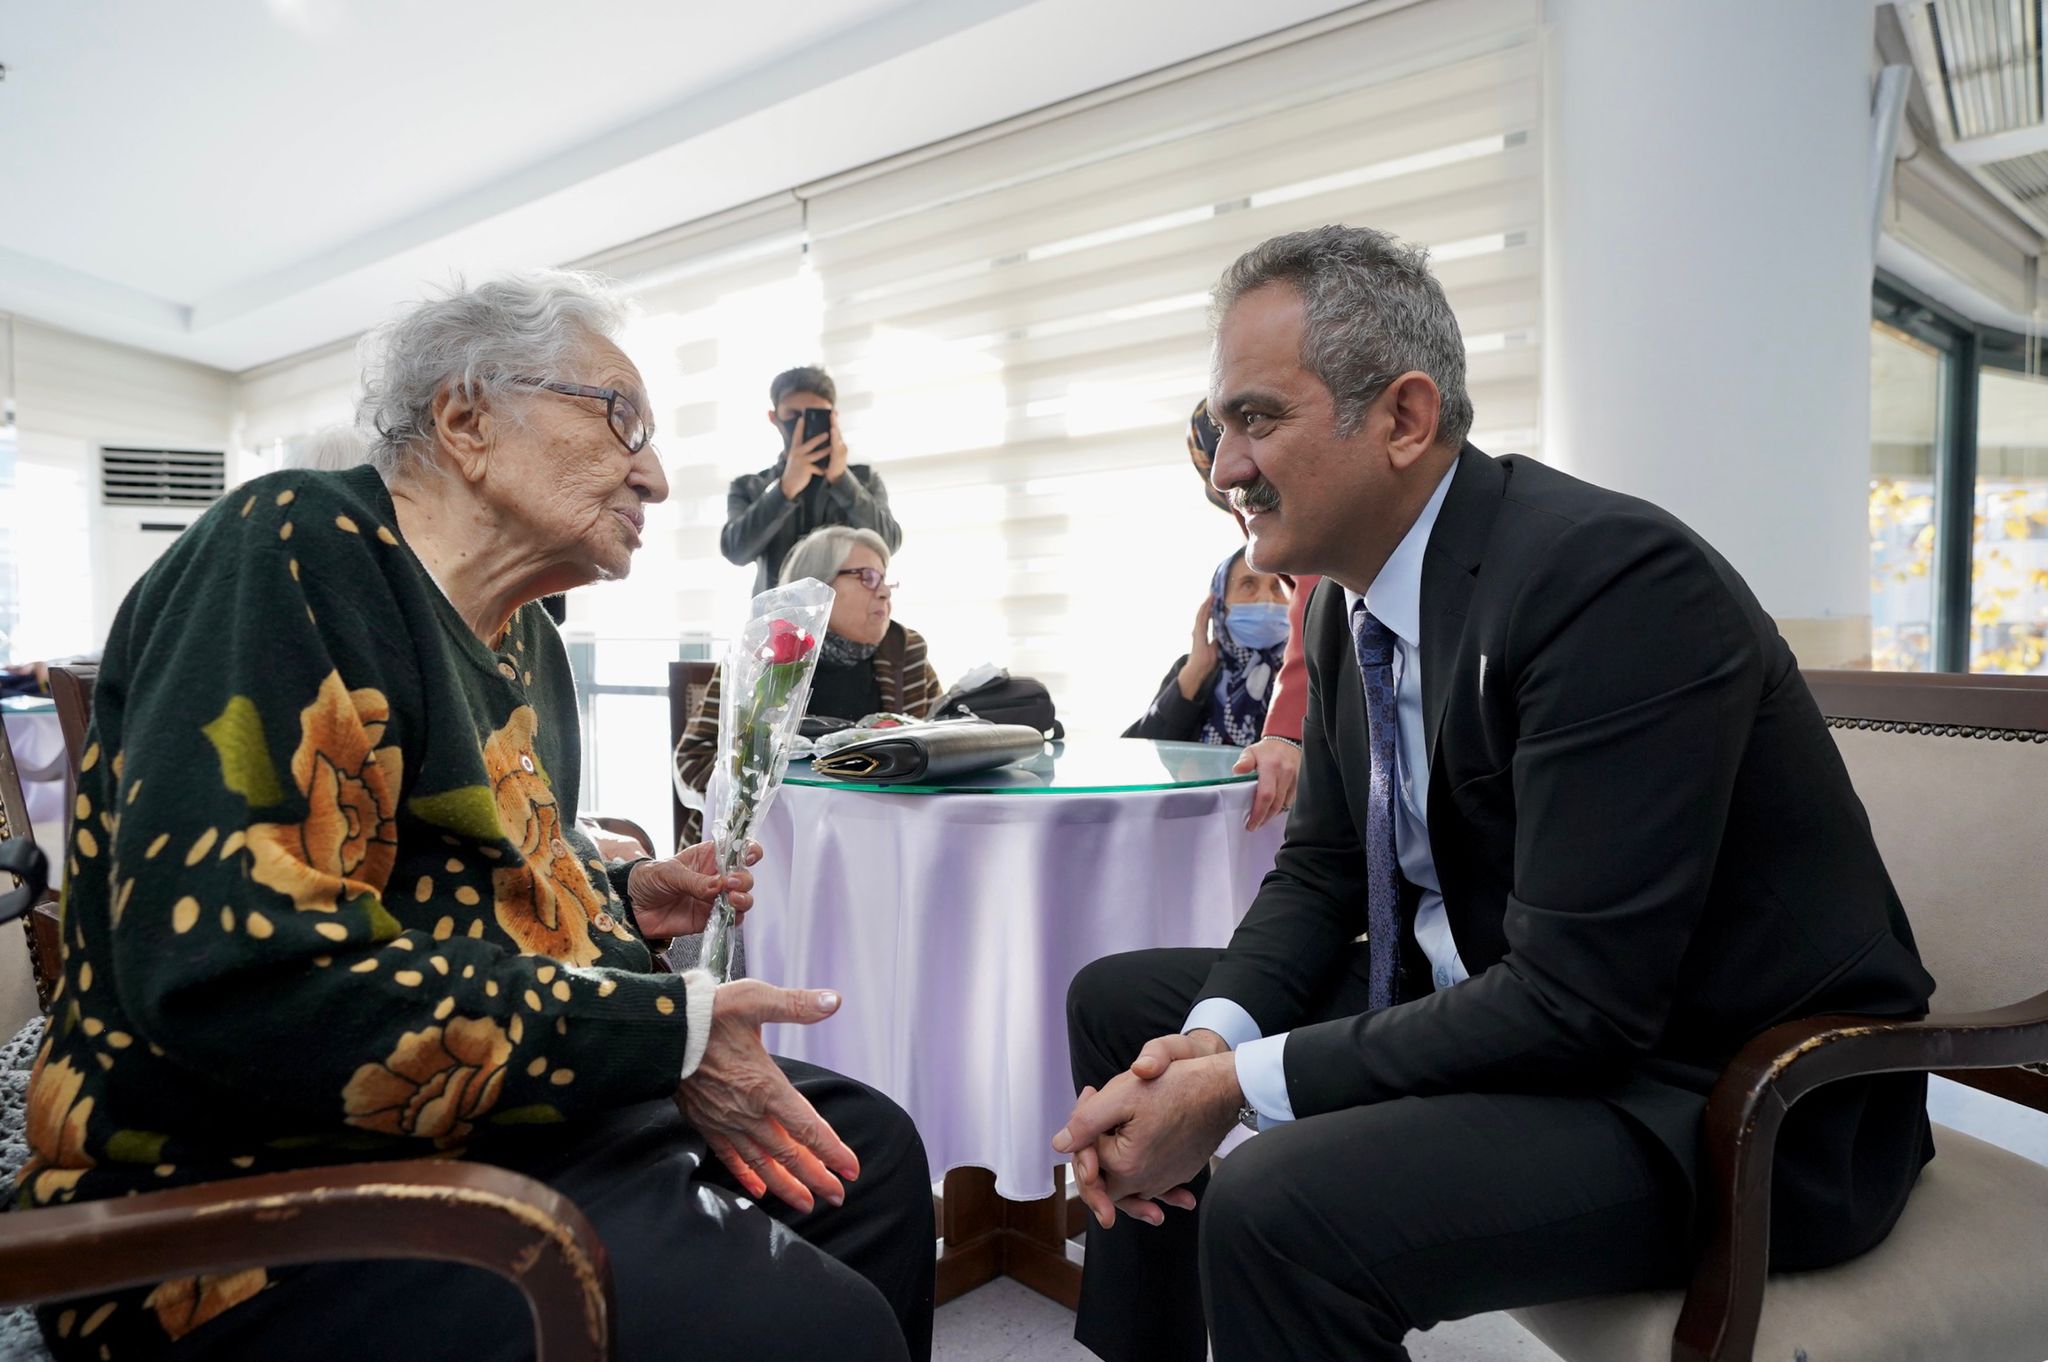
(931, 752)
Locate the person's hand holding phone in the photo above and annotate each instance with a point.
(809, 432)
(835, 462)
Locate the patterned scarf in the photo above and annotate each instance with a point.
(1237, 707)
(843, 652)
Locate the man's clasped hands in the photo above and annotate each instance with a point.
(1141, 1139)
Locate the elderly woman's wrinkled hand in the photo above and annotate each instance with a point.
(674, 897)
(754, 1119)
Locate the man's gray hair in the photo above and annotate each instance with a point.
(1374, 312)
(821, 553)
(475, 340)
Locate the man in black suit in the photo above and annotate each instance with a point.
(1570, 829)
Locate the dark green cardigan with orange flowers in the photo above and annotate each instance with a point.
(326, 897)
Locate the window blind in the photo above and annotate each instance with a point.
(724, 305)
(1018, 325)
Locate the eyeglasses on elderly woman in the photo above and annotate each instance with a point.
(871, 578)
(633, 429)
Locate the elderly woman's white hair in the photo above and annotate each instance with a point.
(821, 553)
(476, 340)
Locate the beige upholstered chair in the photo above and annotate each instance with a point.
(1954, 773)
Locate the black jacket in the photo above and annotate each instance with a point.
(762, 525)
(1172, 717)
(1648, 844)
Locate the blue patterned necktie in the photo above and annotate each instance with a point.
(1375, 644)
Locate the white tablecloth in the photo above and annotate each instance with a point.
(952, 925)
(38, 746)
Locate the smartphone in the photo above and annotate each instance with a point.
(807, 426)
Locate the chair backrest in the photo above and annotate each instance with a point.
(71, 687)
(687, 682)
(1953, 771)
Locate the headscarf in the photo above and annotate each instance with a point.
(1237, 705)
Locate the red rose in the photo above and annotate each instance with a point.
(786, 643)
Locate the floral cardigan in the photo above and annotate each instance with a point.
(326, 897)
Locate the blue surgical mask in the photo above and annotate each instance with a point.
(1256, 625)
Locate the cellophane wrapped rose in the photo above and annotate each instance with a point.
(766, 687)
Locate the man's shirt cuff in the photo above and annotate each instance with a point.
(1225, 1018)
(1262, 1073)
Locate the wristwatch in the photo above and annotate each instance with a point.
(1248, 1117)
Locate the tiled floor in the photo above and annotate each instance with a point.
(1005, 1322)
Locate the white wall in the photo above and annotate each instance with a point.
(292, 398)
(1707, 283)
(72, 395)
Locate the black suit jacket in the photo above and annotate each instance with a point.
(1648, 845)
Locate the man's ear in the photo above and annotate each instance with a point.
(462, 427)
(1411, 404)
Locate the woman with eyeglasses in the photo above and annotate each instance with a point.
(328, 903)
(867, 664)
(1218, 691)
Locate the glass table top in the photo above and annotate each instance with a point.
(1076, 766)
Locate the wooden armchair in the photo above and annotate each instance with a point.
(1954, 773)
(71, 686)
(503, 1222)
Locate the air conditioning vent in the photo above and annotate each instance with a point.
(161, 477)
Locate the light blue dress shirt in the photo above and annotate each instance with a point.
(1395, 599)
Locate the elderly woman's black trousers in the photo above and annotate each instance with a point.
(700, 1270)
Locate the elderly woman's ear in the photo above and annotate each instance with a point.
(463, 429)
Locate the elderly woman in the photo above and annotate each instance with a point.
(328, 902)
(1218, 691)
(868, 663)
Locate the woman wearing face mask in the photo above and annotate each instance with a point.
(1276, 755)
(1217, 693)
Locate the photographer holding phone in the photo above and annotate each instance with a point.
(811, 486)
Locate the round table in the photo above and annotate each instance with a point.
(952, 916)
(38, 746)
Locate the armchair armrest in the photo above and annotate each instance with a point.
(458, 1212)
(1724, 1302)
(624, 827)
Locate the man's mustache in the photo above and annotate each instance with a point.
(1255, 497)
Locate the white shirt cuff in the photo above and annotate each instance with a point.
(1262, 1073)
(698, 988)
(1225, 1018)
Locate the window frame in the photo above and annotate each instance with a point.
(1967, 348)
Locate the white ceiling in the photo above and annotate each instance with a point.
(239, 180)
